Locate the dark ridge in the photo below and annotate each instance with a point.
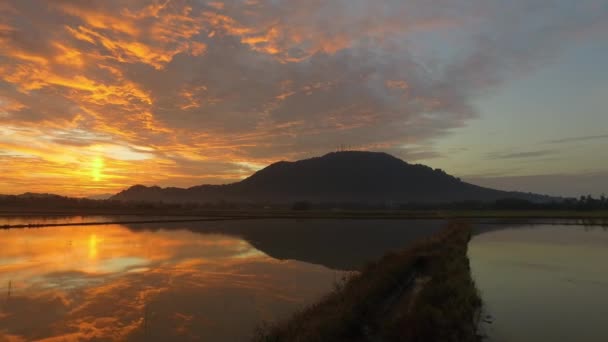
(350, 176)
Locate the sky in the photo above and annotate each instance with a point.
(96, 96)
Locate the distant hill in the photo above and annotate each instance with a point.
(100, 196)
(352, 176)
(40, 196)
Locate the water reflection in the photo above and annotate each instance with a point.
(188, 281)
(53, 219)
(115, 283)
(338, 244)
(543, 283)
(6, 221)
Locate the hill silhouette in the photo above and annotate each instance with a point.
(350, 176)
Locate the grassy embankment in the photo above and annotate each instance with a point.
(424, 293)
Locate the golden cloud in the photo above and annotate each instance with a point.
(210, 86)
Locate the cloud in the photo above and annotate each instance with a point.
(573, 185)
(522, 155)
(219, 84)
(577, 139)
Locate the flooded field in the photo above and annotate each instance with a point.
(213, 281)
(542, 282)
(42, 220)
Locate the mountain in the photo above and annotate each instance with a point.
(352, 176)
(39, 196)
(100, 196)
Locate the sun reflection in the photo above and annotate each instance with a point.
(93, 246)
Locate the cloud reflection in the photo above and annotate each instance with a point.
(109, 282)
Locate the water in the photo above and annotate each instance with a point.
(12, 220)
(55, 219)
(212, 281)
(543, 282)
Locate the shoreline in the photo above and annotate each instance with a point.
(507, 220)
(599, 218)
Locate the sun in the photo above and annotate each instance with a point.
(97, 168)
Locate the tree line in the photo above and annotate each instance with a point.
(33, 202)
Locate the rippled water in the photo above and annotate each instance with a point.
(167, 282)
(543, 283)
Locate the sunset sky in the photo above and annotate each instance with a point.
(96, 96)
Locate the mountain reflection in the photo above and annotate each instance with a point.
(337, 244)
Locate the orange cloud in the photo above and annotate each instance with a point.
(100, 20)
(85, 65)
(206, 90)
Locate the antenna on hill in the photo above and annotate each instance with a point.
(343, 148)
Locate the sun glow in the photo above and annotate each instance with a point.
(97, 168)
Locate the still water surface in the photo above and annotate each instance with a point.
(212, 281)
(543, 283)
(60, 219)
(219, 280)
